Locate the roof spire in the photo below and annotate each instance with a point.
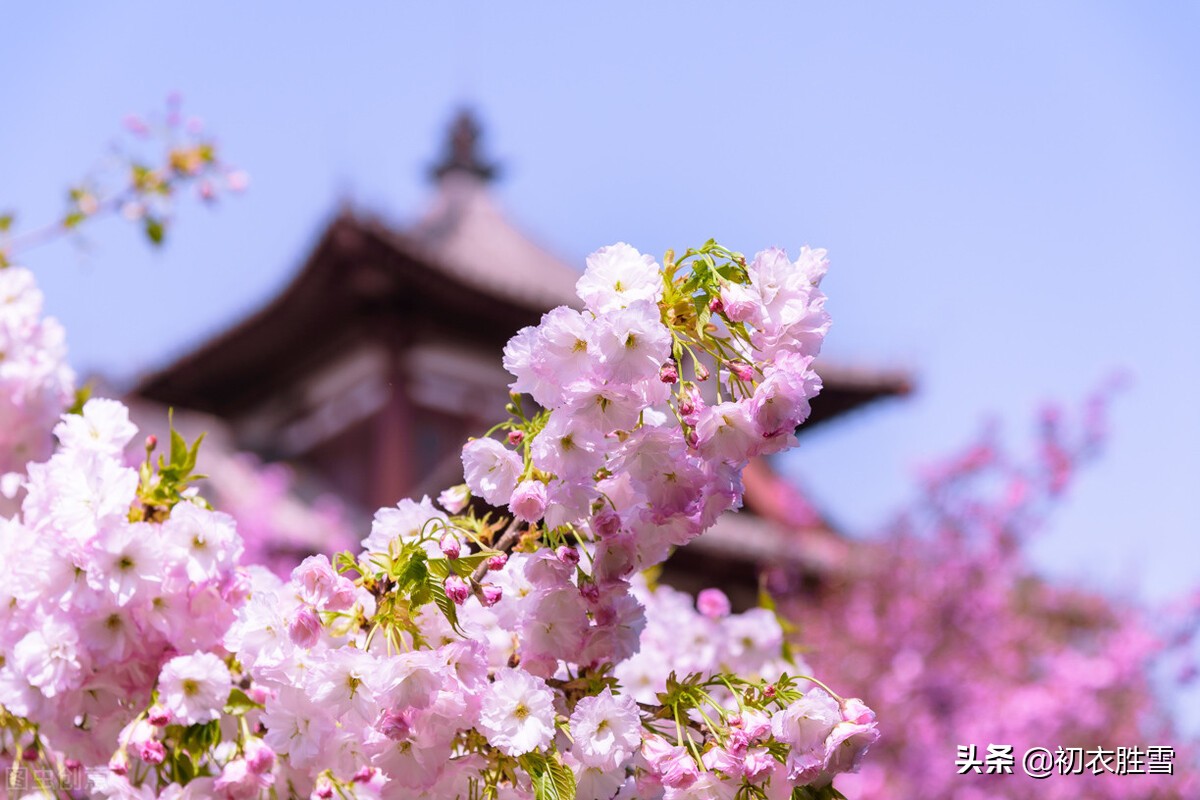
(461, 152)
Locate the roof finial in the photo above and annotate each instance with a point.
(462, 150)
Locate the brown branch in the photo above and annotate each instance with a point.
(509, 538)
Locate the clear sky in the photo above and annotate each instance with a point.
(1009, 191)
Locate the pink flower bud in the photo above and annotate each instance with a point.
(567, 555)
(496, 563)
(31, 754)
(715, 305)
(741, 370)
(701, 372)
(457, 589)
(151, 442)
(365, 774)
(690, 404)
(516, 437)
(152, 752)
(857, 712)
(713, 603)
(323, 790)
(490, 594)
(668, 373)
(119, 763)
(160, 716)
(305, 628)
(451, 547)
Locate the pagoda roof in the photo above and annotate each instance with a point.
(462, 255)
(463, 263)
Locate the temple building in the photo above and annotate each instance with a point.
(372, 367)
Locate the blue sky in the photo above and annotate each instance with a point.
(1010, 194)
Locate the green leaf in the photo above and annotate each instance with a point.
(413, 571)
(189, 463)
(437, 589)
(178, 443)
(239, 703)
(155, 230)
(552, 779)
(464, 566)
(198, 739)
(185, 770)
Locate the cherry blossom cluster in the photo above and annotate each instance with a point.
(36, 383)
(465, 651)
(947, 624)
(651, 400)
(101, 590)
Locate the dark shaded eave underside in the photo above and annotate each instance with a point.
(356, 277)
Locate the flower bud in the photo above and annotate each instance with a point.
(668, 373)
(690, 404)
(152, 751)
(159, 716)
(324, 789)
(496, 563)
(516, 437)
(451, 547)
(365, 774)
(567, 555)
(742, 371)
(457, 589)
(490, 594)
